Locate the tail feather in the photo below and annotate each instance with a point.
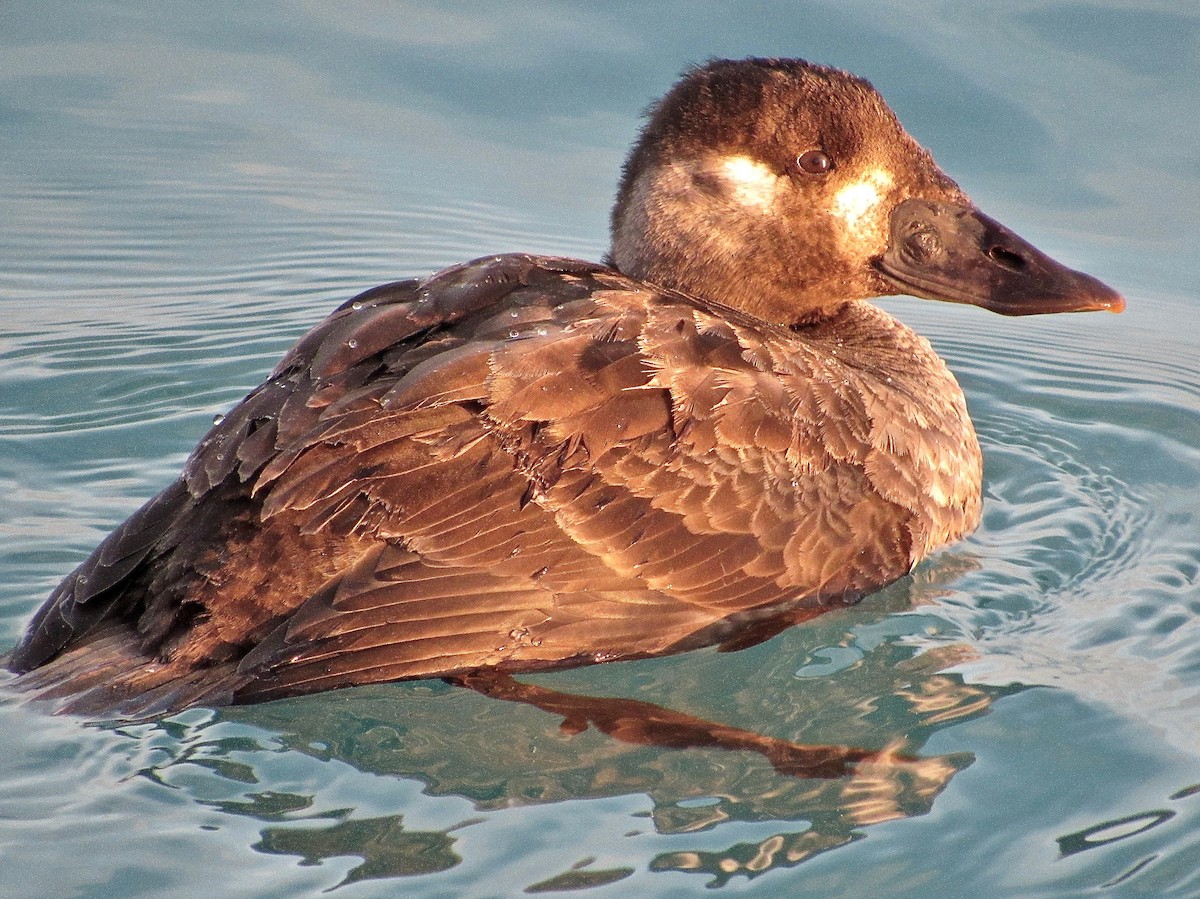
(110, 676)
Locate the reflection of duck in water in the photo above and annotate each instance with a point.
(528, 462)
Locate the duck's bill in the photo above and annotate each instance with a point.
(944, 251)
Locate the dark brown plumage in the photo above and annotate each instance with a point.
(526, 462)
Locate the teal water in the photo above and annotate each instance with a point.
(185, 188)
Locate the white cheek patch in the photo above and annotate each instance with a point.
(855, 203)
(752, 184)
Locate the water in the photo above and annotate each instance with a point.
(186, 188)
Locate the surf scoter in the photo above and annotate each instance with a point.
(527, 462)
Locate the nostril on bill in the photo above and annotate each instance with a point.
(1007, 258)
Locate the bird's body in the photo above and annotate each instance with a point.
(528, 462)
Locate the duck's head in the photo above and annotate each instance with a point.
(785, 189)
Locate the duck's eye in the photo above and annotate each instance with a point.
(814, 162)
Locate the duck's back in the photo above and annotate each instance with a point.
(519, 463)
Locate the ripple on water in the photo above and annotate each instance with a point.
(1089, 539)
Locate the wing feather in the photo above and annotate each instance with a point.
(518, 463)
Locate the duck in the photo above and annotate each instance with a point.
(530, 462)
